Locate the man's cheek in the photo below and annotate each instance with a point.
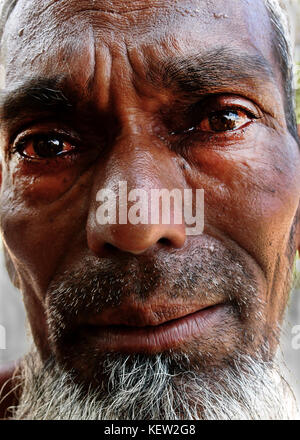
(39, 234)
(39, 183)
(32, 245)
(250, 193)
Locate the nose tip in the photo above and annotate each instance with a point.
(135, 239)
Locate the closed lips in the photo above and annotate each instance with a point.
(121, 337)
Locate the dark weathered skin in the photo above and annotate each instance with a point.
(251, 177)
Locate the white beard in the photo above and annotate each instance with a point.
(141, 388)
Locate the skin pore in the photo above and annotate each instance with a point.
(139, 93)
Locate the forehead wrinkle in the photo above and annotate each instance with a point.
(79, 60)
(66, 9)
(107, 6)
(170, 14)
(111, 34)
(162, 14)
(66, 55)
(100, 84)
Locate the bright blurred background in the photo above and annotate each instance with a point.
(12, 315)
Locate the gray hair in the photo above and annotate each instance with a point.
(140, 387)
(282, 46)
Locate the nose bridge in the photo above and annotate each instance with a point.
(140, 159)
(136, 161)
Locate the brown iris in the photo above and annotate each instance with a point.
(225, 120)
(44, 147)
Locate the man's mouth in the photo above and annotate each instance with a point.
(151, 338)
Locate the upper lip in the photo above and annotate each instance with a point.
(134, 315)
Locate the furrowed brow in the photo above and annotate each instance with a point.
(34, 96)
(212, 71)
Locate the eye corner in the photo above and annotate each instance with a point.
(17, 147)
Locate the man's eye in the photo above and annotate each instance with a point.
(44, 147)
(224, 120)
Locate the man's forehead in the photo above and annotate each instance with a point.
(41, 25)
(71, 38)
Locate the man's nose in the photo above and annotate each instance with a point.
(134, 165)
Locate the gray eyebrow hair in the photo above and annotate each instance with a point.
(210, 71)
(34, 95)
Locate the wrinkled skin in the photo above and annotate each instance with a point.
(105, 54)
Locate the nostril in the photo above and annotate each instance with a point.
(111, 240)
(165, 242)
(109, 247)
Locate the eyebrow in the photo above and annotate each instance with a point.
(34, 96)
(212, 71)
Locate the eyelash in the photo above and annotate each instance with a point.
(19, 144)
(235, 109)
(193, 130)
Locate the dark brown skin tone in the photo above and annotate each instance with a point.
(106, 57)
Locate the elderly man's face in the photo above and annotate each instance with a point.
(161, 94)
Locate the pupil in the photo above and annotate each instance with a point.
(224, 121)
(47, 147)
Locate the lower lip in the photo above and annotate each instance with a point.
(152, 339)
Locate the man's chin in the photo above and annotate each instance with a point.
(162, 386)
(88, 364)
